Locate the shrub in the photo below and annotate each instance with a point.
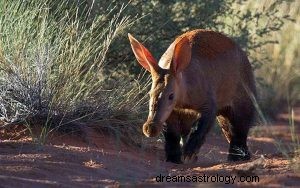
(52, 57)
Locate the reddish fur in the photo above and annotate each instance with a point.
(224, 70)
(208, 45)
(211, 43)
(209, 74)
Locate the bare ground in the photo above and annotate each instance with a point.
(71, 161)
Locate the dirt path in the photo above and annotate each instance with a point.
(68, 161)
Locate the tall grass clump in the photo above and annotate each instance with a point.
(52, 57)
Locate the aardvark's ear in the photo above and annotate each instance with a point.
(142, 54)
(182, 55)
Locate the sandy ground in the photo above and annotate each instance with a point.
(69, 161)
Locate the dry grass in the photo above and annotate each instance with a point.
(51, 67)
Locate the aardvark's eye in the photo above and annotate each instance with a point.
(171, 96)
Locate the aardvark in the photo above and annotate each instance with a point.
(202, 75)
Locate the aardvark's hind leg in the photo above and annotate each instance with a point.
(241, 119)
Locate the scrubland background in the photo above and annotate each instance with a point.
(66, 64)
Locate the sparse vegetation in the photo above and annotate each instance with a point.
(279, 76)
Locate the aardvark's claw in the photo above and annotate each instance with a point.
(187, 159)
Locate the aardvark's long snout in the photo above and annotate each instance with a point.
(152, 129)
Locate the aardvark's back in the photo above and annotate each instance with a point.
(218, 65)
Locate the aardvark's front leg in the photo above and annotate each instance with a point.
(197, 138)
(172, 145)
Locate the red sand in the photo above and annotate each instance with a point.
(68, 161)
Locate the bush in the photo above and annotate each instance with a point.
(159, 22)
(279, 76)
(52, 57)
